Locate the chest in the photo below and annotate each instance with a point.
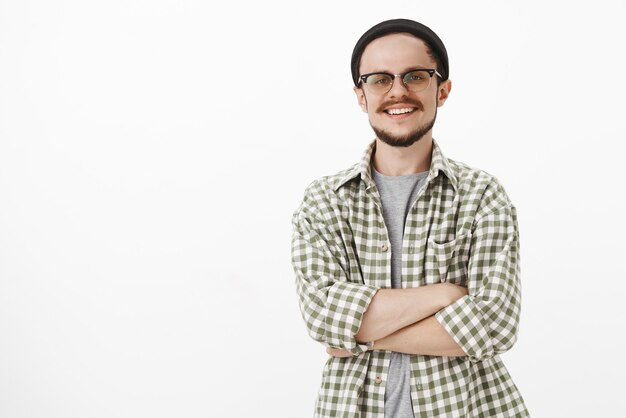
(436, 241)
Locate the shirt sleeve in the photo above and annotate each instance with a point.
(485, 322)
(331, 305)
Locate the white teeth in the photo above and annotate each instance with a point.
(400, 111)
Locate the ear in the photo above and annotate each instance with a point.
(443, 91)
(360, 97)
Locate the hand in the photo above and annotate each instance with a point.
(338, 352)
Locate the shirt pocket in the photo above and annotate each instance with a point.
(447, 261)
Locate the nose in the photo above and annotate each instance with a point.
(398, 89)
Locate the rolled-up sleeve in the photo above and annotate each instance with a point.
(485, 322)
(331, 305)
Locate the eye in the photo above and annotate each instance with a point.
(378, 80)
(415, 76)
(417, 79)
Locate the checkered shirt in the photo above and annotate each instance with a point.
(462, 228)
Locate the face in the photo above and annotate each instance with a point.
(397, 53)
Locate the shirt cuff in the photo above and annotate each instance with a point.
(463, 320)
(347, 302)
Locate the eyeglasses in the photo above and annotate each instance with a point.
(414, 80)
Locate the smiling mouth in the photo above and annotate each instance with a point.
(401, 111)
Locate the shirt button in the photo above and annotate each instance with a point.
(419, 386)
(378, 380)
(384, 248)
(411, 248)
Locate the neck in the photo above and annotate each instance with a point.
(402, 161)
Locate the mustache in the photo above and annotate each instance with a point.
(412, 102)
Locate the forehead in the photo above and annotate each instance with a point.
(395, 52)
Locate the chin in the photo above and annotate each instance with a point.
(403, 137)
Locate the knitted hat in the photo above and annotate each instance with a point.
(397, 26)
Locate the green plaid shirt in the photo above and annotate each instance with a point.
(462, 228)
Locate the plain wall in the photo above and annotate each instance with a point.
(152, 153)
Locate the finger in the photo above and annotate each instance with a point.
(333, 351)
(338, 352)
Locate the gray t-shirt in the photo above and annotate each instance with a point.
(397, 194)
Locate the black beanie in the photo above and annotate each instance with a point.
(396, 26)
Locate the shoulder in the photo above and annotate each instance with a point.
(479, 188)
(332, 182)
(322, 194)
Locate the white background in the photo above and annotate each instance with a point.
(152, 153)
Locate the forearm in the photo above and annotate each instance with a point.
(426, 337)
(393, 309)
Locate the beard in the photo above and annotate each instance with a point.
(404, 140)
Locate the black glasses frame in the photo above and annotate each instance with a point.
(431, 72)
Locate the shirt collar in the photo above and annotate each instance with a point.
(438, 163)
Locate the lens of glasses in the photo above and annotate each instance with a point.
(415, 81)
(379, 82)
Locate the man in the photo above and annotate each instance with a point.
(406, 263)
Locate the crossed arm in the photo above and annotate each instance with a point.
(403, 320)
(343, 313)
